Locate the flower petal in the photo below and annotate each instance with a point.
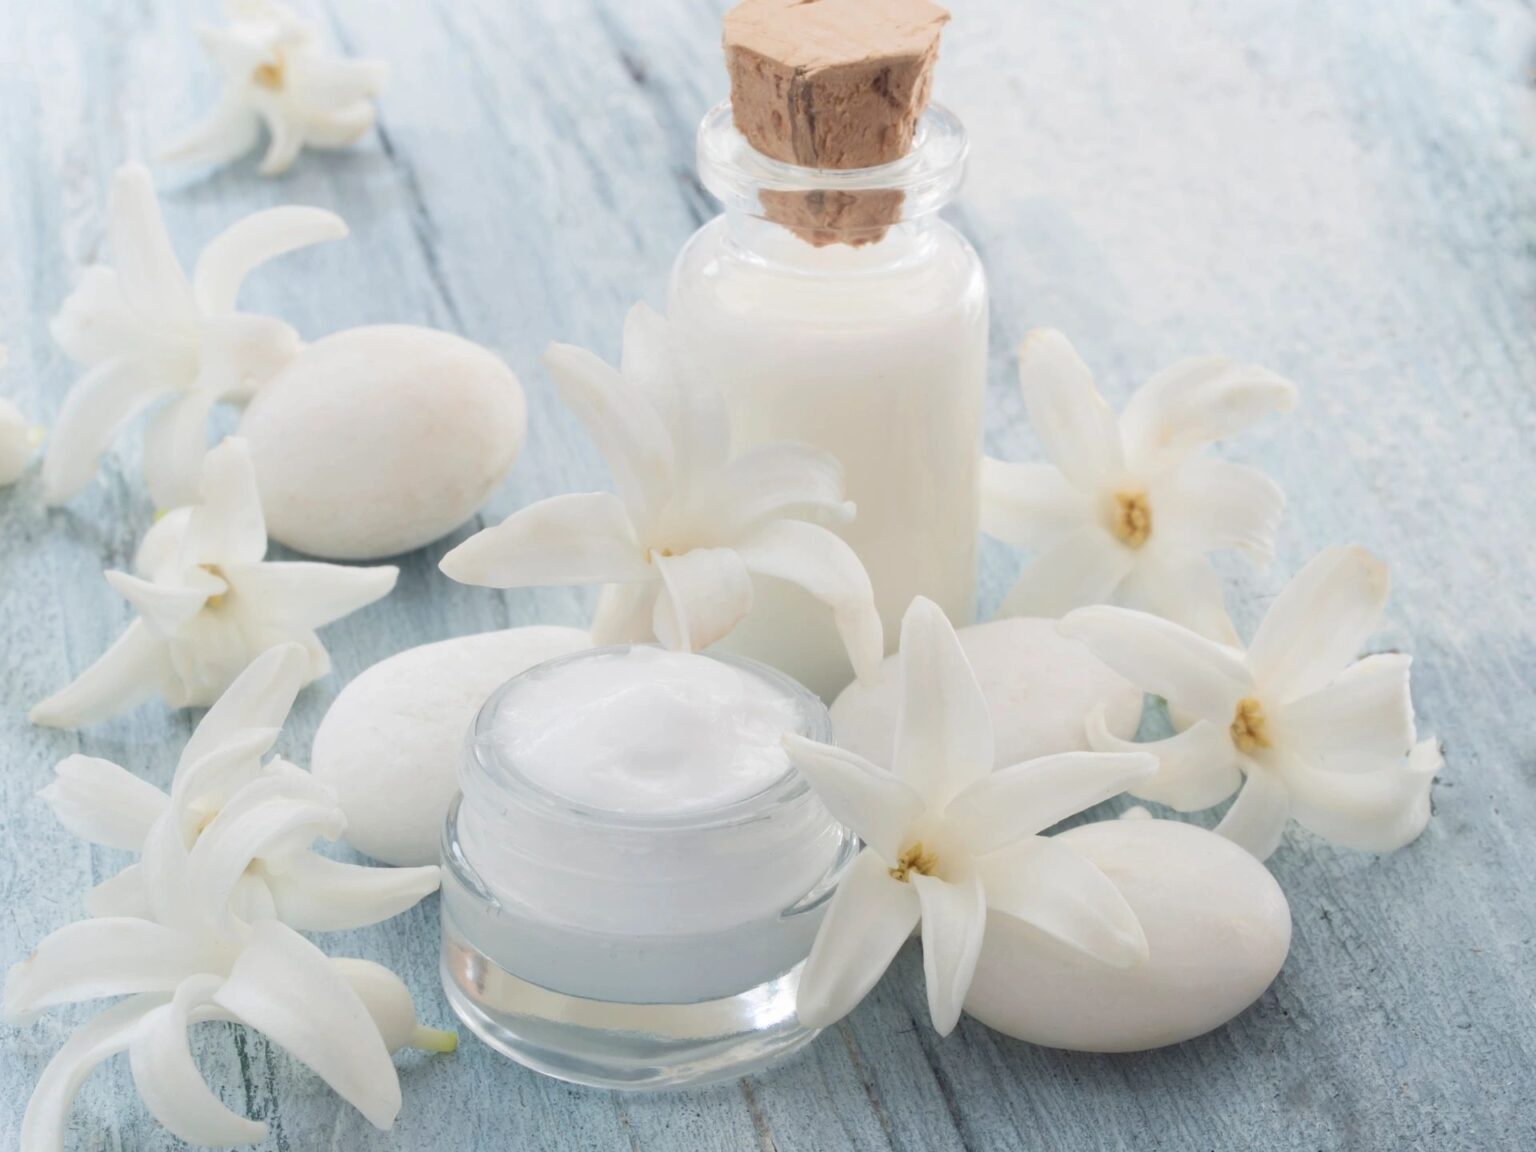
(102, 802)
(226, 133)
(1195, 402)
(97, 405)
(332, 82)
(1017, 802)
(1192, 673)
(285, 140)
(239, 352)
(1083, 567)
(624, 614)
(1210, 504)
(878, 806)
(168, 1080)
(1030, 505)
(283, 986)
(943, 729)
(141, 249)
(246, 245)
(1076, 427)
(130, 671)
(1377, 810)
(781, 479)
(690, 407)
(260, 698)
(1257, 818)
(954, 916)
(868, 920)
(339, 127)
(1181, 587)
(583, 538)
(166, 608)
(705, 594)
(622, 422)
(226, 526)
(1195, 769)
(1362, 719)
(266, 817)
(1066, 896)
(821, 562)
(121, 895)
(92, 959)
(1318, 623)
(306, 594)
(316, 894)
(175, 444)
(103, 1036)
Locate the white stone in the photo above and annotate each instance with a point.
(378, 440)
(1040, 687)
(1218, 929)
(390, 744)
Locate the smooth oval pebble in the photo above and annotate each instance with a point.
(378, 440)
(1040, 687)
(1218, 929)
(391, 742)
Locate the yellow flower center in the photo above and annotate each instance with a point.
(1249, 730)
(272, 74)
(914, 859)
(1131, 519)
(218, 598)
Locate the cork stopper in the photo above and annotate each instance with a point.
(832, 84)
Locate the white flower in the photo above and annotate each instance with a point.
(947, 838)
(18, 437)
(1292, 722)
(202, 927)
(243, 829)
(690, 525)
(1128, 509)
(277, 73)
(147, 336)
(209, 604)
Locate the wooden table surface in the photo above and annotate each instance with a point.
(1343, 192)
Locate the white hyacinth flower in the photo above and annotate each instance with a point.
(946, 838)
(1128, 509)
(1296, 722)
(243, 828)
(690, 525)
(19, 437)
(277, 73)
(209, 603)
(203, 927)
(149, 337)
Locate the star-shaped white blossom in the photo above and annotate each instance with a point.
(203, 927)
(1295, 724)
(1128, 509)
(277, 73)
(209, 603)
(946, 839)
(18, 437)
(690, 525)
(149, 337)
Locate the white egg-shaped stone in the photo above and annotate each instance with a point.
(378, 440)
(1218, 929)
(1040, 687)
(390, 743)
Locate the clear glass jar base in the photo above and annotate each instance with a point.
(638, 1047)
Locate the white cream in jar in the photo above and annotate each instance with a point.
(634, 872)
(875, 353)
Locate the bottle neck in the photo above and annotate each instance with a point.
(770, 244)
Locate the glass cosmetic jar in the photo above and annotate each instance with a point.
(868, 340)
(633, 871)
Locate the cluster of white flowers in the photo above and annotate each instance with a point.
(205, 925)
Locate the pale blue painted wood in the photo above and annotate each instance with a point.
(1343, 192)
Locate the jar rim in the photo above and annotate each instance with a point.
(928, 176)
(501, 780)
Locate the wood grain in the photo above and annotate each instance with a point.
(1343, 192)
